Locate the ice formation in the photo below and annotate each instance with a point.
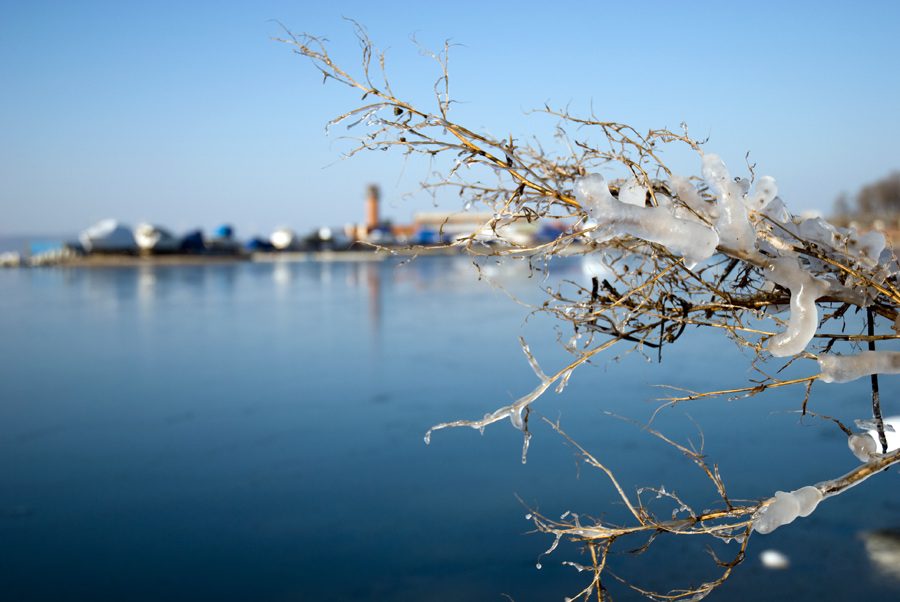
(694, 241)
(698, 207)
(739, 221)
(844, 368)
(864, 249)
(740, 227)
(632, 193)
(733, 225)
(862, 445)
(805, 290)
(867, 446)
(785, 507)
(764, 192)
(738, 235)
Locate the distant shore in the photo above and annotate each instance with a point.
(99, 260)
(363, 253)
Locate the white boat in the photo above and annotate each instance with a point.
(283, 239)
(154, 239)
(10, 259)
(107, 236)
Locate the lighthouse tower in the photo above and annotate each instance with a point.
(372, 219)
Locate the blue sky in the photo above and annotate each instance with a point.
(187, 114)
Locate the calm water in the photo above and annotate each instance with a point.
(254, 432)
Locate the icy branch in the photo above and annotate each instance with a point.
(805, 291)
(865, 250)
(845, 368)
(862, 445)
(516, 412)
(785, 507)
(733, 224)
(644, 297)
(694, 241)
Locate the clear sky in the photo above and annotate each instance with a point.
(187, 114)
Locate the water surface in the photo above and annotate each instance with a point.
(255, 432)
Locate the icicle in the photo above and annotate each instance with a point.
(805, 290)
(533, 362)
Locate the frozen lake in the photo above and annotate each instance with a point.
(255, 432)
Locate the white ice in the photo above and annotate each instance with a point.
(691, 198)
(845, 368)
(867, 446)
(633, 193)
(733, 226)
(862, 445)
(864, 249)
(684, 229)
(764, 192)
(804, 320)
(694, 241)
(785, 507)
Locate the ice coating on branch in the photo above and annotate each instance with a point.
(633, 193)
(782, 510)
(866, 446)
(864, 249)
(738, 235)
(808, 498)
(805, 290)
(785, 507)
(737, 214)
(764, 192)
(776, 211)
(733, 226)
(862, 445)
(690, 197)
(694, 241)
(844, 368)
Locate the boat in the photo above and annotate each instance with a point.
(192, 243)
(155, 239)
(259, 245)
(107, 236)
(10, 259)
(223, 242)
(284, 239)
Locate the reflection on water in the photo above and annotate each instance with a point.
(883, 548)
(254, 431)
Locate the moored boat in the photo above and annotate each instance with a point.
(107, 236)
(284, 239)
(155, 239)
(223, 242)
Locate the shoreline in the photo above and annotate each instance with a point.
(62, 258)
(105, 260)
